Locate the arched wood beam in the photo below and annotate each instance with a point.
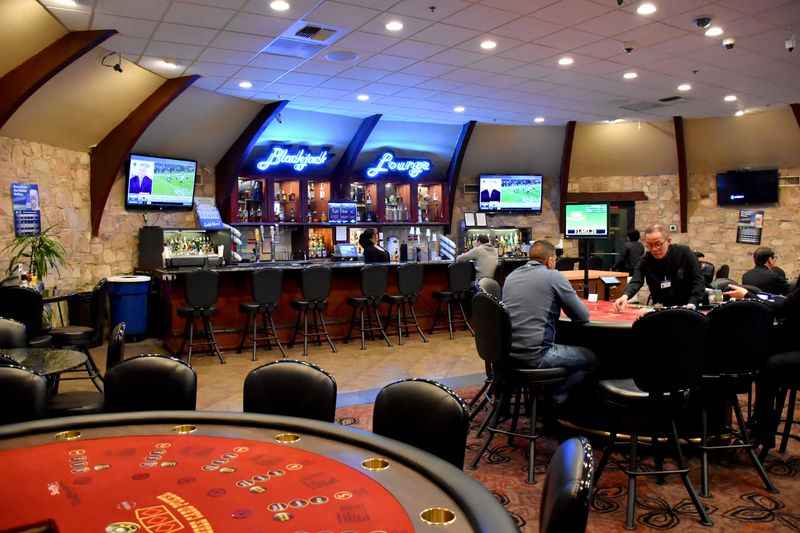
(683, 174)
(107, 157)
(796, 111)
(228, 168)
(19, 84)
(342, 174)
(566, 162)
(455, 165)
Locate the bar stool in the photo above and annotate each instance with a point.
(267, 284)
(316, 286)
(374, 279)
(409, 285)
(459, 289)
(201, 288)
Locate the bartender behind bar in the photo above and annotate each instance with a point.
(671, 271)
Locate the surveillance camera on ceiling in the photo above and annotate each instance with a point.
(790, 44)
(620, 2)
(117, 65)
(629, 46)
(702, 22)
(728, 43)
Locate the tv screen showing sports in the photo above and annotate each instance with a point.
(586, 221)
(160, 183)
(747, 187)
(510, 193)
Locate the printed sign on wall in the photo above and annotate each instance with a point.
(25, 204)
(751, 224)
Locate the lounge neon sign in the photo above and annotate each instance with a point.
(299, 160)
(414, 168)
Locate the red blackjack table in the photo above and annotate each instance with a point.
(170, 471)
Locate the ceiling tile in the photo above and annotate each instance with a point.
(414, 49)
(480, 17)
(421, 8)
(231, 57)
(130, 46)
(322, 67)
(297, 78)
(345, 84)
(276, 61)
(325, 92)
(233, 85)
(440, 85)
(73, 19)
(297, 8)
(382, 88)
(230, 4)
(497, 64)
(528, 29)
(445, 35)
(366, 42)
(466, 75)
(568, 39)
(258, 24)
(602, 49)
(212, 69)
(240, 41)
(612, 23)
(532, 71)
(720, 15)
(651, 34)
(364, 74)
(173, 50)
(387, 62)
(503, 43)
(415, 92)
(210, 83)
(530, 52)
(573, 11)
(124, 25)
(143, 9)
(598, 67)
(155, 64)
(342, 15)
(287, 89)
(194, 15)
(178, 33)
(522, 7)
(786, 16)
(408, 80)
(426, 68)
(456, 57)
(259, 74)
(751, 8)
(411, 25)
(502, 81)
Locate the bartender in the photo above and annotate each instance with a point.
(372, 252)
(671, 271)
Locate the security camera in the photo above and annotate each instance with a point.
(790, 44)
(118, 67)
(728, 43)
(620, 2)
(629, 46)
(702, 22)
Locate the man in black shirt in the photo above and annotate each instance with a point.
(671, 271)
(766, 275)
(634, 250)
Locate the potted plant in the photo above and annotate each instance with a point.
(43, 253)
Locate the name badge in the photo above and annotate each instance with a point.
(666, 284)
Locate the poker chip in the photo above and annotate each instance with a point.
(122, 527)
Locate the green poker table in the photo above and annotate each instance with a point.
(176, 471)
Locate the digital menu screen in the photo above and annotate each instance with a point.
(342, 213)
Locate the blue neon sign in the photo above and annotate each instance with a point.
(387, 163)
(299, 160)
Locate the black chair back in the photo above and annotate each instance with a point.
(722, 283)
(567, 488)
(116, 346)
(291, 388)
(566, 263)
(150, 382)
(492, 327)
(409, 278)
(267, 286)
(738, 334)
(24, 305)
(12, 334)
(673, 346)
(707, 269)
(202, 287)
(23, 394)
(491, 287)
(723, 272)
(460, 276)
(373, 281)
(90, 309)
(316, 283)
(424, 414)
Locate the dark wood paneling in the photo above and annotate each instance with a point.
(107, 157)
(683, 174)
(343, 173)
(228, 168)
(563, 179)
(455, 166)
(796, 111)
(19, 84)
(630, 196)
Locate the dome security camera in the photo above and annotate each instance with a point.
(702, 22)
(629, 46)
(728, 43)
(620, 2)
(790, 44)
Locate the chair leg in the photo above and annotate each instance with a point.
(380, 325)
(275, 333)
(450, 319)
(737, 410)
(325, 330)
(255, 336)
(658, 457)
(787, 428)
(210, 334)
(191, 339)
(361, 329)
(244, 334)
(435, 317)
(317, 334)
(478, 396)
(604, 458)
(305, 333)
(704, 489)
(464, 316)
(400, 314)
(296, 329)
(698, 505)
(517, 400)
(416, 322)
(633, 466)
(532, 441)
(491, 421)
(265, 325)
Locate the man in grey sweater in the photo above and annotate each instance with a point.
(485, 257)
(534, 295)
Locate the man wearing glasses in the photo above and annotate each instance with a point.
(766, 275)
(671, 271)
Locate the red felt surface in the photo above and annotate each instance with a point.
(170, 483)
(603, 311)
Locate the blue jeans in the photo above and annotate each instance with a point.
(579, 361)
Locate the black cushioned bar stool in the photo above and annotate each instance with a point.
(267, 284)
(510, 385)
(567, 488)
(316, 286)
(151, 382)
(459, 289)
(202, 288)
(374, 279)
(409, 285)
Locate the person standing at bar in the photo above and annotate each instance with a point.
(484, 255)
(672, 272)
(372, 252)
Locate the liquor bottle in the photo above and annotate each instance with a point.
(283, 196)
(292, 215)
(291, 197)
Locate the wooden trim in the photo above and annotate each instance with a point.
(796, 111)
(630, 196)
(19, 84)
(454, 169)
(341, 177)
(109, 154)
(228, 168)
(563, 179)
(683, 174)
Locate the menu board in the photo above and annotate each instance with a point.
(25, 204)
(750, 226)
(342, 213)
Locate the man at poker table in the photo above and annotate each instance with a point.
(671, 271)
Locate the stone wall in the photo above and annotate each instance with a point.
(63, 178)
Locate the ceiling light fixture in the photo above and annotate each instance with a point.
(615, 121)
(279, 5)
(65, 3)
(566, 61)
(169, 64)
(646, 8)
(459, 109)
(630, 75)
(683, 87)
(538, 120)
(739, 113)
(362, 97)
(394, 25)
(730, 98)
(246, 84)
(488, 44)
(714, 31)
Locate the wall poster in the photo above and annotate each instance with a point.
(25, 204)
(751, 224)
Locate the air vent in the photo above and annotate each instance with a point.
(789, 181)
(293, 48)
(315, 33)
(471, 188)
(670, 99)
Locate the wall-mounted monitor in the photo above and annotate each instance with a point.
(747, 187)
(586, 221)
(155, 183)
(342, 213)
(508, 193)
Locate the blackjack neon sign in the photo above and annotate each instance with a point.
(299, 160)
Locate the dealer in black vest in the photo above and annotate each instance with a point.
(671, 271)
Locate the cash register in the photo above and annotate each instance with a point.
(345, 252)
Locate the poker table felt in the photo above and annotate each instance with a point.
(164, 472)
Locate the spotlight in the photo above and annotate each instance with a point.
(394, 25)
(489, 45)
(647, 8)
(714, 31)
(566, 61)
(538, 120)
(362, 97)
(683, 87)
(459, 109)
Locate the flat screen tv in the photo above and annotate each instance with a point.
(500, 193)
(586, 221)
(159, 183)
(747, 187)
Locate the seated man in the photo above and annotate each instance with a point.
(766, 275)
(534, 295)
(485, 257)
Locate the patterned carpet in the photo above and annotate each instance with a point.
(738, 499)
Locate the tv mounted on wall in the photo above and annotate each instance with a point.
(747, 187)
(508, 193)
(586, 221)
(159, 183)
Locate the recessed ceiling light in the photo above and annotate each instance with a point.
(739, 113)
(683, 87)
(362, 97)
(341, 56)
(168, 64)
(279, 5)
(488, 44)
(646, 8)
(615, 121)
(459, 109)
(394, 25)
(566, 61)
(538, 120)
(714, 31)
(630, 75)
(730, 98)
(65, 3)
(245, 84)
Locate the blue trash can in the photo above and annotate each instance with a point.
(128, 295)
